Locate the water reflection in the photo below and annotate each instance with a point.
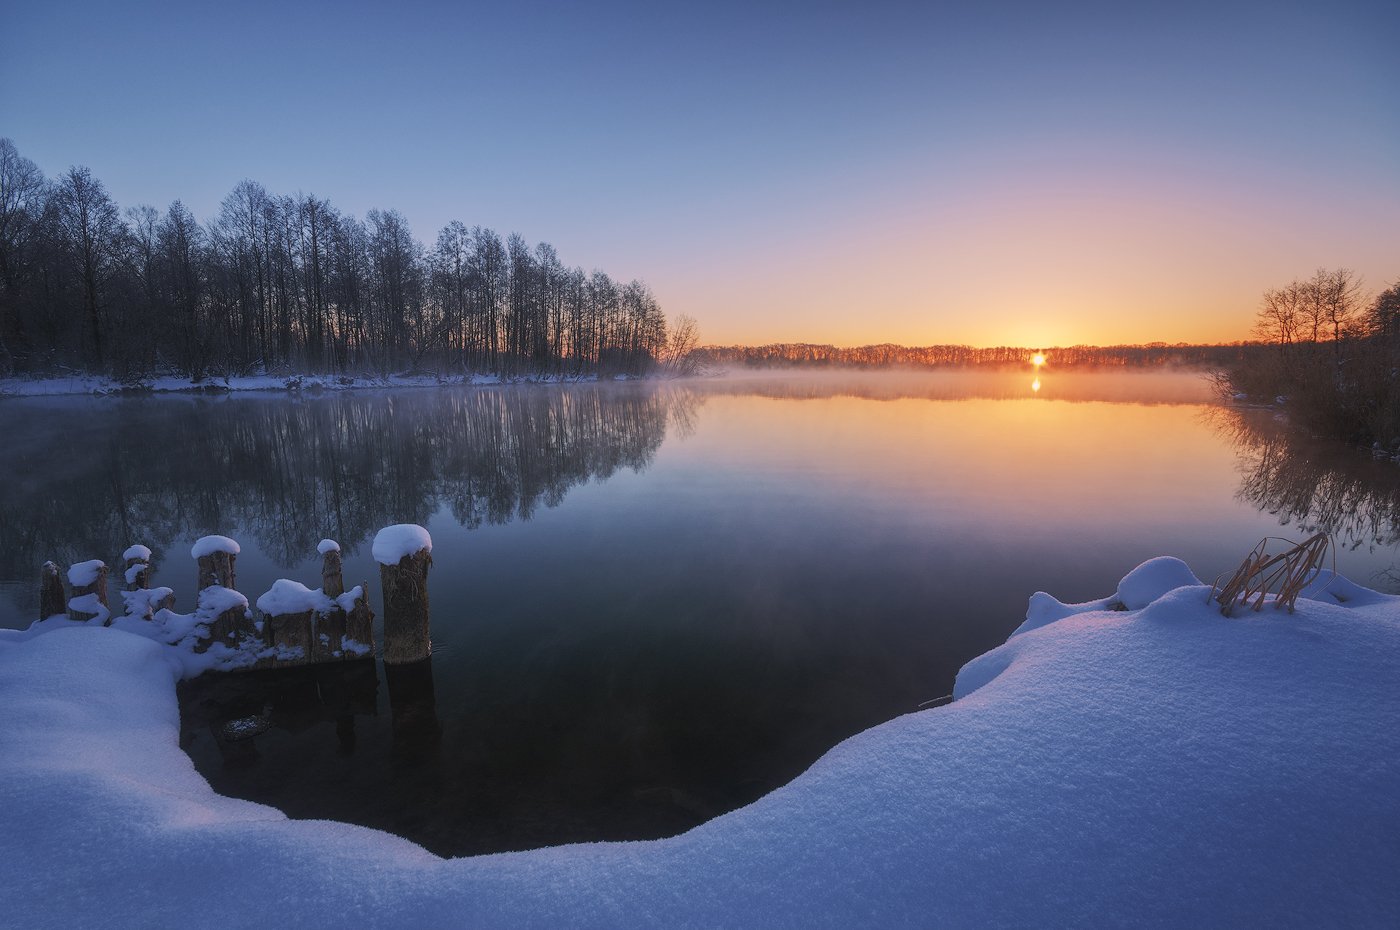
(1314, 485)
(91, 477)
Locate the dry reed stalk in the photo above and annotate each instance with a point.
(1288, 572)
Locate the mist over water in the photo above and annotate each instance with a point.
(653, 603)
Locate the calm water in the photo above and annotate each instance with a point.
(654, 603)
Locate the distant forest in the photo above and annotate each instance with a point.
(279, 282)
(805, 355)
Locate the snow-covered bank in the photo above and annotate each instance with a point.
(89, 384)
(1155, 766)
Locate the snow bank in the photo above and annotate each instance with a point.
(1151, 580)
(85, 573)
(327, 545)
(392, 543)
(293, 597)
(208, 545)
(1164, 766)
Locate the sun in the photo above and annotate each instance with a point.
(1038, 359)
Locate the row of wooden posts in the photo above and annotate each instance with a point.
(301, 638)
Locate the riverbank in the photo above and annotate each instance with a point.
(1156, 765)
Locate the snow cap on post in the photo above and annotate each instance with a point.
(393, 543)
(404, 554)
(138, 552)
(82, 574)
(327, 545)
(208, 545)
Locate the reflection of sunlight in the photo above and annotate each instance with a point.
(1035, 385)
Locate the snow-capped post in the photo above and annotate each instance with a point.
(216, 556)
(137, 568)
(289, 610)
(332, 582)
(219, 605)
(404, 552)
(51, 599)
(89, 600)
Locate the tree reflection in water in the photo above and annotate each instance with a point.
(92, 476)
(1312, 484)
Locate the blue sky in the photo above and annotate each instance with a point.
(823, 172)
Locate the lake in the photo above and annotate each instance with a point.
(655, 602)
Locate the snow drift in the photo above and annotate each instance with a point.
(1161, 766)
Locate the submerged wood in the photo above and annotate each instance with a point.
(406, 636)
(52, 602)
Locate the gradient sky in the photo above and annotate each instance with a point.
(1013, 173)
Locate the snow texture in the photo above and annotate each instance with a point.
(1164, 766)
(137, 552)
(85, 573)
(131, 573)
(392, 543)
(327, 545)
(208, 545)
(293, 597)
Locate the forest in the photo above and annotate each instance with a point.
(1332, 360)
(288, 282)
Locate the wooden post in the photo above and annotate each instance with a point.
(226, 615)
(89, 581)
(359, 624)
(51, 599)
(332, 581)
(139, 558)
(293, 631)
(404, 553)
(216, 557)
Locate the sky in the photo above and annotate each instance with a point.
(1002, 173)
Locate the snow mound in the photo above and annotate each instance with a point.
(208, 545)
(392, 543)
(327, 545)
(1152, 579)
(293, 597)
(1164, 765)
(137, 552)
(85, 573)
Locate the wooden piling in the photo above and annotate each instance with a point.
(97, 587)
(52, 601)
(217, 557)
(332, 581)
(137, 557)
(403, 572)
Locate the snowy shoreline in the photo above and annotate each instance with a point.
(1137, 760)
(91, 385)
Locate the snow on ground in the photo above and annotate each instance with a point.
(1164, 766)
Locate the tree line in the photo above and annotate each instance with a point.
(1333, 359)
(806, 355)
(277, 282)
